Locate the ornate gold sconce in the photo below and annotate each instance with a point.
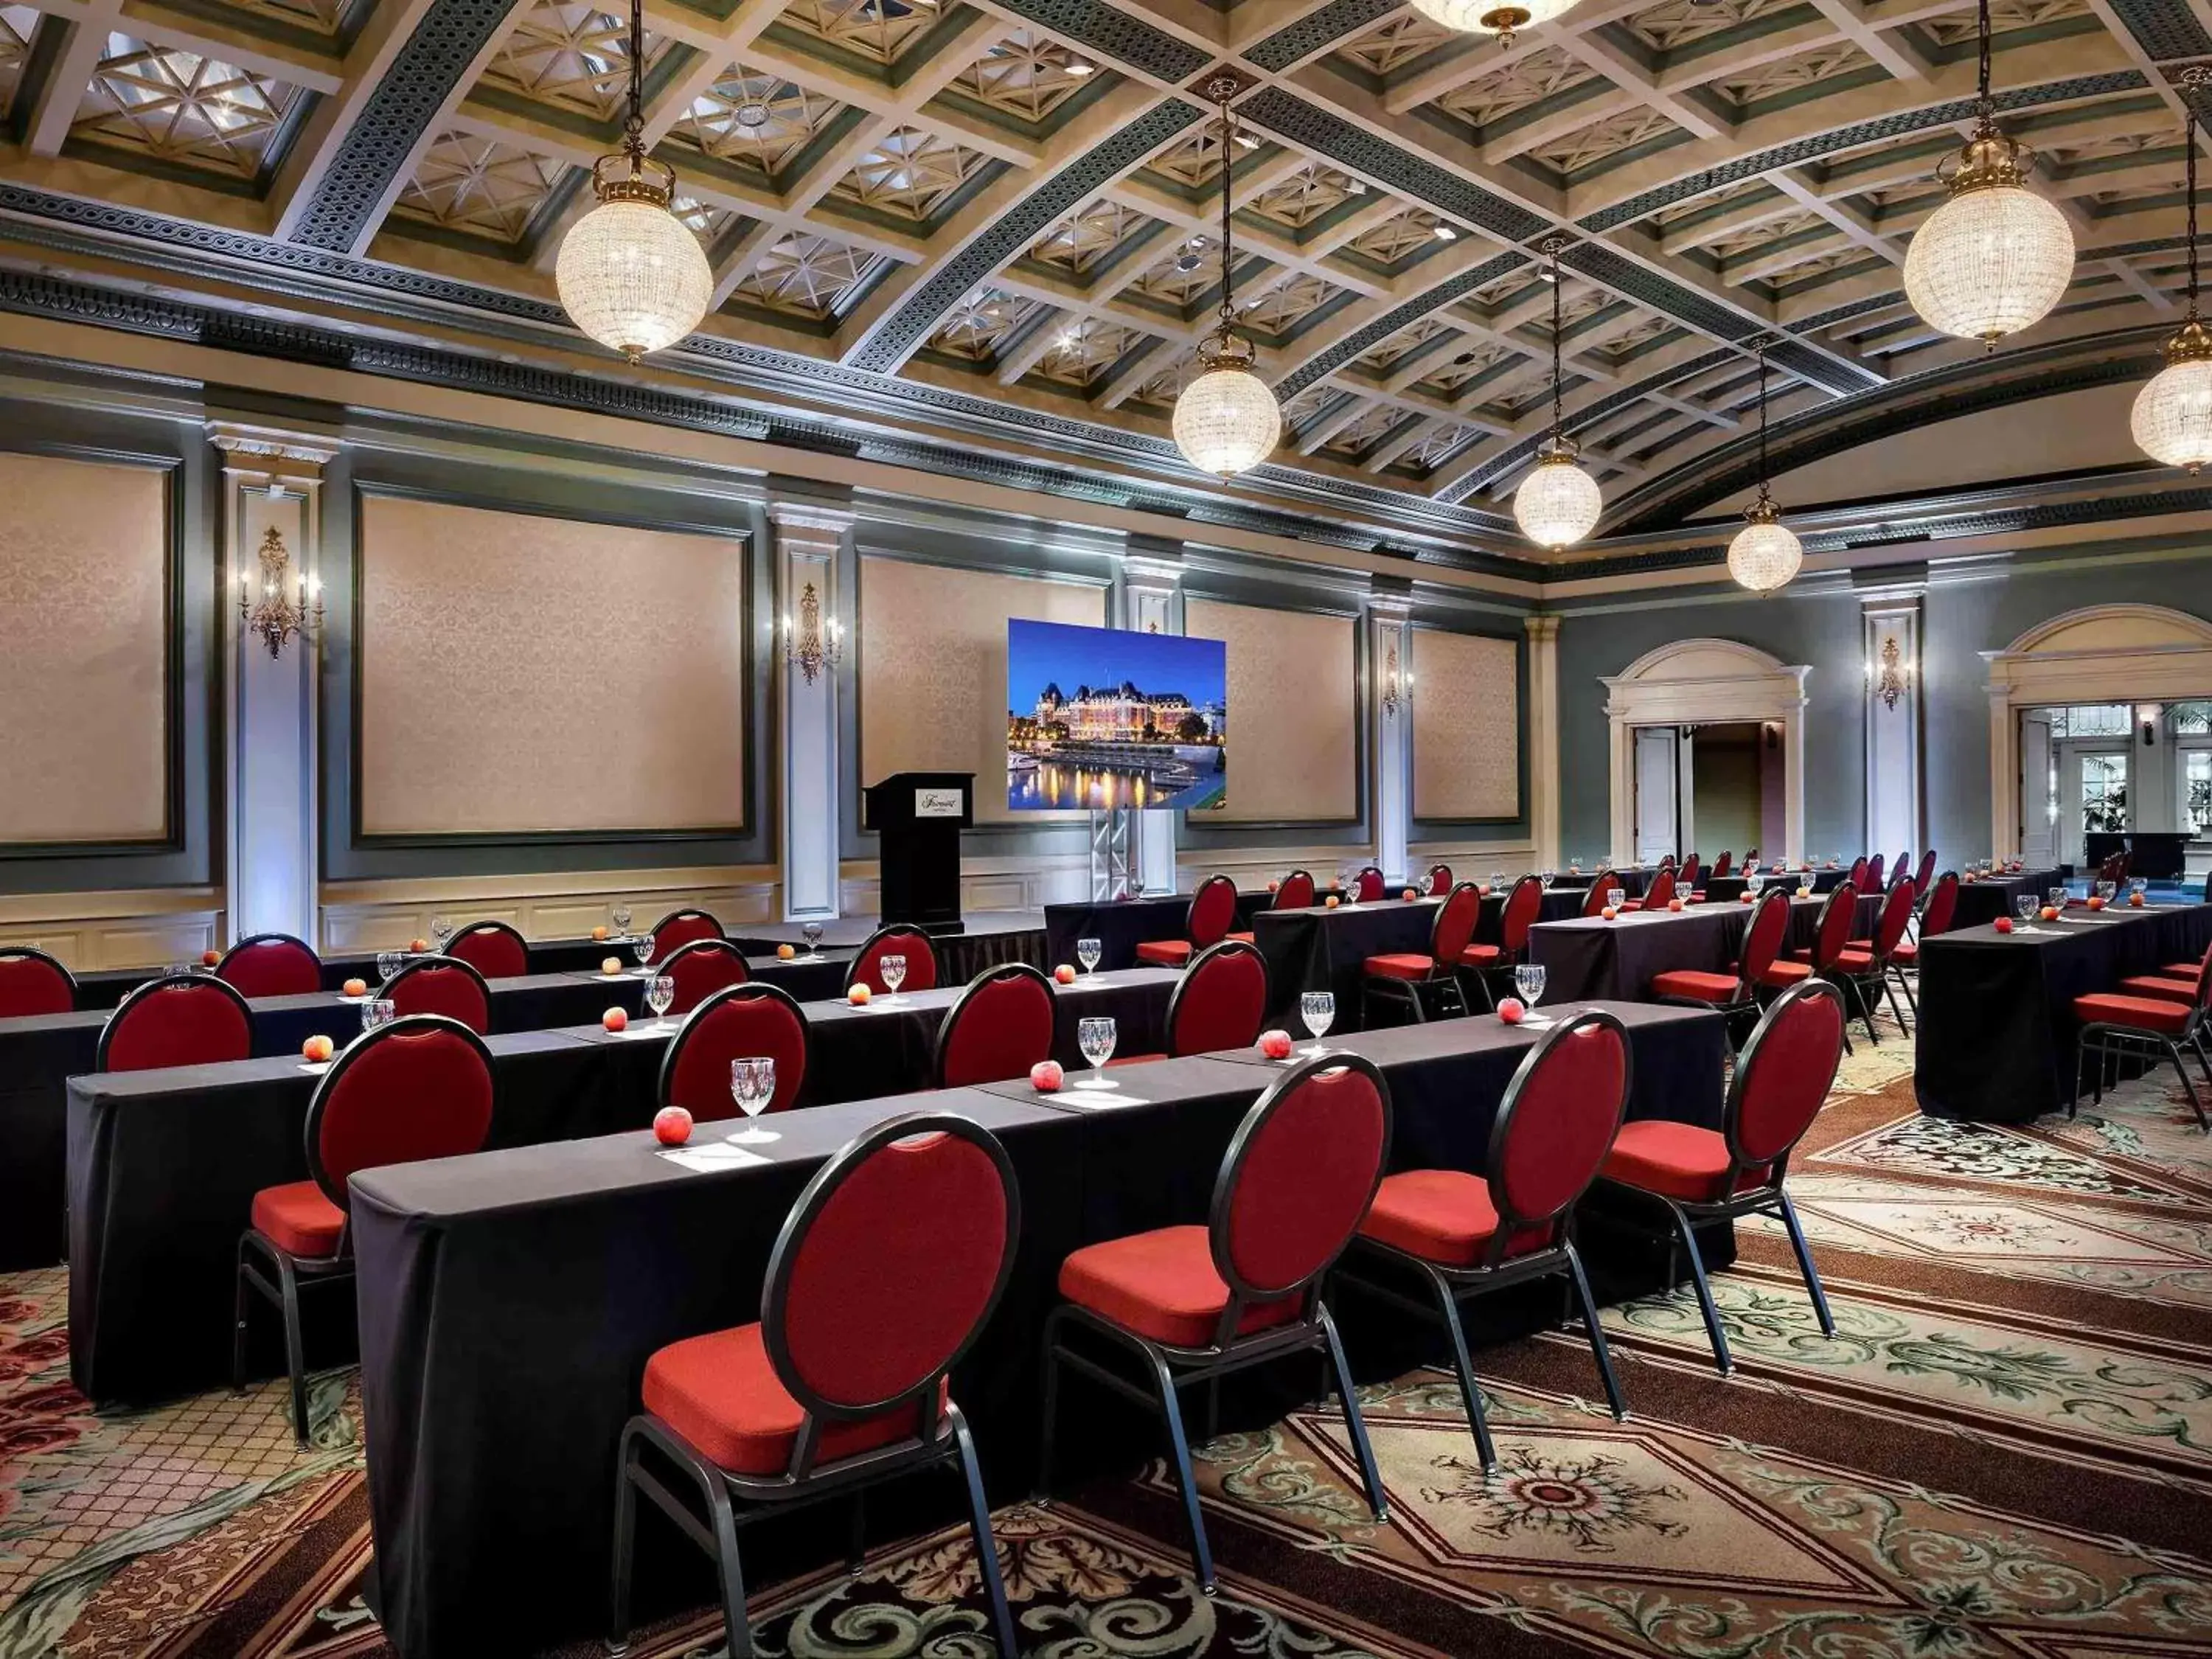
(289, 602)
(809, 644)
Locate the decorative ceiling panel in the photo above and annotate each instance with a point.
(1082, 352)
(469, 182)
(1395, 42)
(807, 275)
(757, 120)
(1093, 236)
(909, 173)
(570, 56)
(17, 25)
(876, 29)
(180, 107)
(1312, 193)
(978, 326)
(1520, 84)
(1027, 75)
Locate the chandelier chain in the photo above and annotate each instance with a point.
(634, 127)
(1552, 247)
(1228, 149)
(1762, 423)
(2193, 79)
(1987, 105)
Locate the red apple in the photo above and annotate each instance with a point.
(209, 958)
(786, 952)
(1510, 1011)
(1673, 904)
(1332, 902)
(355, 987)
(419, 945)
(2003, 924)
(1065, 973)
(1045, 1077)
(610, 965)
(599, 932)
(2096, 902)
(1411, 895)
(2051, 912)
(1745, 897)
(2136, 899)
(615, 1019)
(319, 1049)
(1608, 912)
(858, 996)
(671, 1126)
(1276, 1045)
(1274, 886)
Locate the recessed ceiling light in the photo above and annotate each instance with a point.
(1355, 187)
(1446, 233)
(752, 114)
(1246, 141)
(1188, 263)
(1076, 66)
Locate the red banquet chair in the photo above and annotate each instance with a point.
(1925, 874)
(702, 968)
(1440, 880)
(1296, 892)
(1858, 876)
(1522, 906)
(1469, 1235)
(1685, 878)
(1212, 914)
(1870, 968)
(885, 1272)
(1871, 881)
(271, 965)
(1658, 895)
(1218, 1004)
(897, 939)
(1196, 1302)
(1831, 943)
(679, 928)
(741, 1022)
(1718, 1175)
(1002, 1026)
(440, 985)
(2176, 982)
(183, 1019)
(1736, 996)
(1593, 901)
(2124, 1024)
(32, 982)
(1401, 975)
(1367, 886)
(492, 948)
(1938, 905)
(420, 1087)
(1722, 865)
(1902, 868)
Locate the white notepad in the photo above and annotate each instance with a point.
(714, 1155)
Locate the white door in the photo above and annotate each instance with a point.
(2038, 793)
(1657, 792)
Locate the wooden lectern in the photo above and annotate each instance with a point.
(918, 817)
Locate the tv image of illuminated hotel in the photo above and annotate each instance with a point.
(1103, 719)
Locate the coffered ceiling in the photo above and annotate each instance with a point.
(999, 219)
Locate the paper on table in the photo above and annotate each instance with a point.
(1096, 1099)
(1530, 1023)
(317, 1066)
(715, 1155)
(648, 1029)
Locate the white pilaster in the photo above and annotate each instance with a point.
(1390, 703)
(1544, 739)
(272, 480)
(1148, 592)
(1895, 818)
(808, 539)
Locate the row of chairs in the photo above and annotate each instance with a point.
(894, 1258)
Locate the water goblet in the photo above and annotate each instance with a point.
(1752, 885)
(1497, 881)
(660, 992)
(1616, 896)
(2025, 904)
(1087, 952)
(2108, 891)
(1548, 876)
(441, 930)
(2056, 898)
(619, 914)
(893, 970)
(378, 1011)
(2137, 885)
(642, 949)
(752, 1085)
(812, 932)
(389, 963)
(1094, 1035)
(1317, 1009)
(1529, 979)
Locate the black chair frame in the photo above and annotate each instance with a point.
(280, 1276)
(32, 953)
(888, 931)
(753, 990)
(1769, 1198)
(1228, 947)
(1844, 893)
(939, 1438)
(1507, 960)
(153, 987)
(983, 982)
(1444, 976)
(2115, 1045)
(1744, 1005)
(1169, 1368)
(1448, 1287)
(1882, 976)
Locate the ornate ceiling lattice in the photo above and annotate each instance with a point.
(572, 56)
(977, 327)
(1520, 82)
(467, 182)
(807, 275)
(878, 29)
(17, 25)
(1091, 235)
(182, 108)
(909, 173)
(1028, 75)
(756, 118)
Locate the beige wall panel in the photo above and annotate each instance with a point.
(934, 669)
(1293, 713)
(1467, 727)
(84, 550)
(522, 673)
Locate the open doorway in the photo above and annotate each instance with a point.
(2095, 776)
(1711, 788)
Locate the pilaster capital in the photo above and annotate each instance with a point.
(1542, 628)
(805, 523)
(281, 457)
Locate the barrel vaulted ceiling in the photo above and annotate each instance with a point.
(967, 226)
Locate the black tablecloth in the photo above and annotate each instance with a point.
(1120, 926)
(1559, 904)
(1631, 881)
(508, 1301)
(1594, 958)
(1987, 897)
(1996, 1039)
(163, 1166)
(1319, 949)
(991, 939)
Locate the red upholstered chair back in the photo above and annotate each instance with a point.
(1875, 866)
(1686, 880)
(1784, 1073)
(1212, 912)
(1763, 940)
(1896, 916)
(1522, 906)
(186, 1020)
(440, 985)
(1926, 872)
(1722, 865)
(1595, 901)
(32, 982)
(897, 939)
(744, 1022)
(419, 1088)
(1658, 895)
(1368, 886)
(1667, 861)
(1457, 917)
(1837, 917)
(1942, 904)
(1555, 1126)
(702, 968)
(1301, 1171)
(1440, 881)
(1902, 868)
(886, 1269)
(679, 928)
(1002, 1026)
(492, 948)
(1296, 893)
(1858, 877)
(1220, 1000)
(271, 965)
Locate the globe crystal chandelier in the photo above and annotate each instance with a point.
(1994, 258)
(1226, 421)
(1498, 17)
(1556, 503)
(1765, 553)
(2173, 417)
(630, 273)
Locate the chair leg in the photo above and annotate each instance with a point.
(856, 1535)
(625, 1546)
(240, 1308)
(1469, 1390)
(2174, 1052)
(1897, 1012)
(986, 1547)
(1805, 1264)
(736, 1622)
(1706, 1306)
(1866, 1010)
(295, 1353)
(1354, 1425)
(2080, 1059)
(1187, 1477)
(1052, 1325)
(1598, 1348)
(1905, 986)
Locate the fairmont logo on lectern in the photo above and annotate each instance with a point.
(936, 803)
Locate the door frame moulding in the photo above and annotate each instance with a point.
(1707, 682)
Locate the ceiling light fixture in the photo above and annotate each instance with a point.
(1556, 503)
(1994, 258)
(1446, 233)
(1226, 421)
(630, 273)
(1076, 66)
(2172, 416)
(1765, 553)
(1499, 17)
(752, 114)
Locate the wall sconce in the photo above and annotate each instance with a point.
(1896, 674)
(291, 602)
(809, 645)
(2147, 714)
(1397, 687)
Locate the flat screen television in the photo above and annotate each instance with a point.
(1098, 717)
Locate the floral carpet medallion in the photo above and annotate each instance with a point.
(1992, 1155)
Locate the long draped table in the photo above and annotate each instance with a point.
(163, 1165)
(508, 1301)
(1987, 897)
(1119, 926)
(1996, 1033)
(1593, 957)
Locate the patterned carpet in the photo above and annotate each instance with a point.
(2005, 1450)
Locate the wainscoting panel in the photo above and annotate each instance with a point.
(371, 916)
(90, 932)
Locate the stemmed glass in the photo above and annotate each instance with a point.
(1087, 952)
(2025, 904)
(2055, 898)
(378, 1011)
(1529, 979)
(812, 932)
(1094, 1035)
(2137, 886)
(1318, 1010)
(620, 915)
(660, 992)
(1497, 881)
(752, 1085)
(389, 963)
(641, 948)
(441, 930)
(1616, 896)
(2108, 890)
(1753, 885)
(1547, 878)
(893, 970)
(1347, 881)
